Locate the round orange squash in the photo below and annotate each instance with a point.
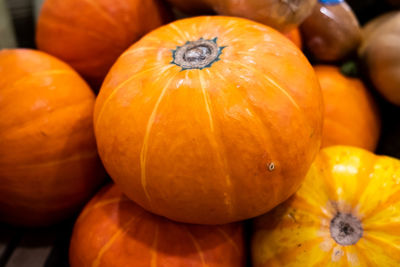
(48, 159)
(113, 231)
(90, 35)
(346, 213)
(209, 120)
(351, 114)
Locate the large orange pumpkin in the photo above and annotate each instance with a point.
(90, 35)
(351, 115)
(113, 231)
(48, 159)
(281, 15)
(209, 120)
(346, 213)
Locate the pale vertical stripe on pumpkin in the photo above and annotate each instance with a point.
(138, 50)
(197, 246)
(150, 122)
(269, 79)
(97, 261)
(182, 34)
(101, 204)
(161, 69)
(153, 262)
(228, 238)
(222, 159)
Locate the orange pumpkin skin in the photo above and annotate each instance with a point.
(114, 231)
(351, 115)
(90, 35)
(295, 36)
(48, 159)
(347, 189)
(216, 144)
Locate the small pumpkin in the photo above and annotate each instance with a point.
(380, 52)
(281, 15)
(295, 36)
(114, 231)
(48, 158)
(346, 213)
(351, 114)
(332, 31)
(90, 35)
(209, 120)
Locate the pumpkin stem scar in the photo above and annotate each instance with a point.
(346, 229)
(198, 54)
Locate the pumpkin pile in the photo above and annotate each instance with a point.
(207, 114)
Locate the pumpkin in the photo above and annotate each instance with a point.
(209, 120)
(114, 231)
(332, 31)
(395, 3)
(346, 213)
(281, 15)
(192, 6)
(380, 53)
(351, 114)
(90, 35)
(48, 159)
(295, 36)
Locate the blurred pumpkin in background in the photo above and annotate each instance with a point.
(48, 159)
(380, 53)
(281, 15)
(209, 120)
(346, 213)
(113, 231)
(332, 31)
(90, 35)
(351, 114)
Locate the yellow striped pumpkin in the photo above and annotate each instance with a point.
(347, 213)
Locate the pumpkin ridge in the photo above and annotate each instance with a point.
(216, 143)
(390, 248)
(150, 122)
(227, 237)
(182, 34)
(122, 84)
(73, 28)
(54, 162)
(34, 120)
(196, 245)
(110, 242)
(393, 198)
(140, 49)
(102, 204)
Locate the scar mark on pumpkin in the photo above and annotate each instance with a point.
(197, 246)
(144, 150)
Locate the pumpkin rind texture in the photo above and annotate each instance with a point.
(90, 35)
(223, 142)
(295, 36)
(380, 53)
(114, 231)
(49, 164)
(343, 182)
(351, 114)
